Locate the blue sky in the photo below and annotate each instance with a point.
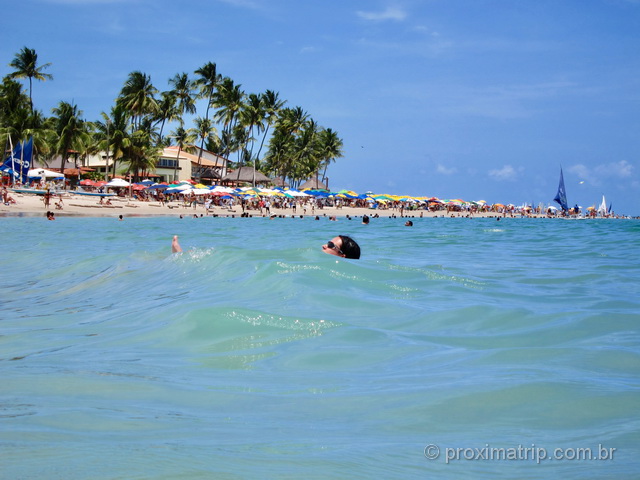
(471, 99)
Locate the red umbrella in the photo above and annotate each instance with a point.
(87, 182)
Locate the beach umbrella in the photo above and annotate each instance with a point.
(118, 182)
(178, 188)
(197, 191)
(147, 182)
(158, 186)
(295, 193)
(220, 189)
(42, 173)
(87, 182)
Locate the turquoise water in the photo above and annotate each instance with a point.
(255, 355)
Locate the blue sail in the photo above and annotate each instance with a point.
(19, 162)
(561, 196)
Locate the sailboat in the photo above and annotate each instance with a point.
(19, 162)
(602, 209)
(561, 196)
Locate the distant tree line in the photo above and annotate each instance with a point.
(248, 129)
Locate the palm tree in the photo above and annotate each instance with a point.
(114, 130)
(183, 138)
(167, 110)
(183, 91)
(272, 106)
(138, 97)
(207, 83)
(14, 111)
(228, 99)
(69, 128)
(330, 146)
(26, 66)
(251, 116)
(306, 159)
(142, 151)
(204, 130)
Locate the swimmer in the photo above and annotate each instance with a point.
(342, 246)
(408, 223)
(175, 246)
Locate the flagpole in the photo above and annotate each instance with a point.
(13, 169)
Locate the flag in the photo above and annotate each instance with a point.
(561, 196)
(19, 162)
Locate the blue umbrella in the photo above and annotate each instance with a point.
(158, 186)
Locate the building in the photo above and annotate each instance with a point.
(212, 166)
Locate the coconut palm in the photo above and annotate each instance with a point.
(69, 129)
(26, 66)
(14, 112)
(183, 90)
(272, 106)
(205, 131)
(142, 151)
(330, 148)
(207, 83)
(167, 111)
(228, 99)
(114, 130)
(252, 116)
(138, 97)
(183, 138)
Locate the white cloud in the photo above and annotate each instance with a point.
(309, 49)
(391, 13)
(505, 173)
(621, 169)
(444, 170)
(603, 171)
(501, 102)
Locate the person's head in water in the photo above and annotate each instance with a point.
(365, 220)
(342, 246)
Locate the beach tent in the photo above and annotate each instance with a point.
(246, 175)
(313, 184)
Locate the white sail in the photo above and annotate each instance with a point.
(602, 209)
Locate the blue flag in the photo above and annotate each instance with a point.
(19, 162)
(561, 196)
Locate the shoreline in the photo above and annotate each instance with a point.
(31, 205)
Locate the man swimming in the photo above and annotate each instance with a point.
(342, 246)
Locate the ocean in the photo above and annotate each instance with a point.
(456, 348)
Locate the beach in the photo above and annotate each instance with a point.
(89, 206)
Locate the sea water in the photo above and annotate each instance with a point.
(456, 348)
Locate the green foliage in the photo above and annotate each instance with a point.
(234, 123)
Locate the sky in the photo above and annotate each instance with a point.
(471, 99)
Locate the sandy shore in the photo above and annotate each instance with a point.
(79, 205)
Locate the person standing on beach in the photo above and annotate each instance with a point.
(47, 198)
